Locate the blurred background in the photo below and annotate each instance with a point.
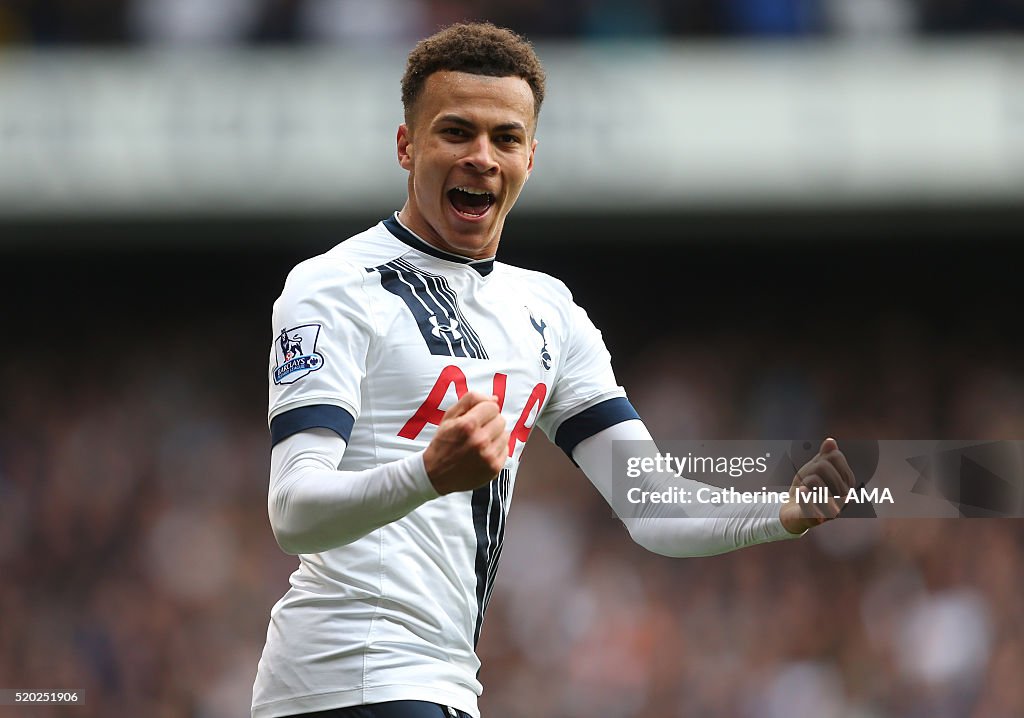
(790, 218)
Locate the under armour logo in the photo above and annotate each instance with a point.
(545, 355)
(451, 329)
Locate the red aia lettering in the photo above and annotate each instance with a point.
(430, 410)
(521, 432)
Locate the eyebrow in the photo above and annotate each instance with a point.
(463, 122)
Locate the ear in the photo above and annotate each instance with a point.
(529, 166)
(404, 143)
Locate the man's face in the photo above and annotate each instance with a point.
(468, 148)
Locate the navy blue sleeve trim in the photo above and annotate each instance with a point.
(319, 416)
(591, 421)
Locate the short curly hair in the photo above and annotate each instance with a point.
(479, 48)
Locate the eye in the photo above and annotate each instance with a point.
(509, 139)
(453, 131)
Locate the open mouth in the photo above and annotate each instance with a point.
(470, 202)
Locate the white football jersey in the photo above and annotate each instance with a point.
(375, 339)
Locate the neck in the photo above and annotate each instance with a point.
(414, 222)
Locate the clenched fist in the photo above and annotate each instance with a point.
(827, 470)
(470, 446)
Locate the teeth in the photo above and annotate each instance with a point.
(472, 190)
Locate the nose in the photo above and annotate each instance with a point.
(480, 156)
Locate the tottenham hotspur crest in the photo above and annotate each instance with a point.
(295, 350)
(540, 326)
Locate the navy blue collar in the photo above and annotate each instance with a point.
(483, 266)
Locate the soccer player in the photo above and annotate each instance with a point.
(408, 369)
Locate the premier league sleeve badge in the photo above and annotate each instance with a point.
(295, 350)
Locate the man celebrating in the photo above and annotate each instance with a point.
(396, 446)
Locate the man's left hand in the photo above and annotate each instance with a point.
(828, 470)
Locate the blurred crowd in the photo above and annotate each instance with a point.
(226, 22)
(138, 563)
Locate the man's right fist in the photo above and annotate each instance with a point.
(470, 446)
